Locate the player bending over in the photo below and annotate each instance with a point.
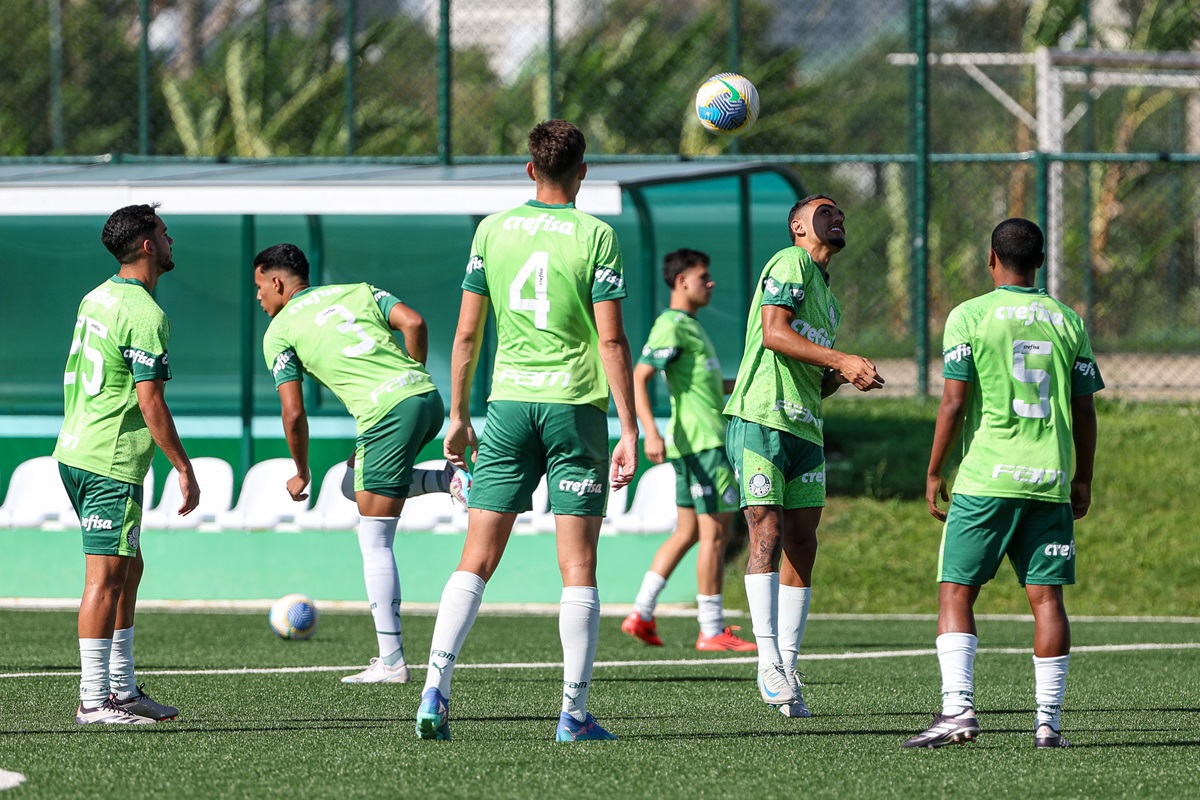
(341, 335)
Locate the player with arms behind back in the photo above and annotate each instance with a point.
(115, 414)
(776, 436)
(705, 490)
(341, 335)
(553, 276)
(1020, 376)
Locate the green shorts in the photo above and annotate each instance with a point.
(110, 511)
(704, 481)
(384, 454)
(774, 468)
(523, 441)
(1038, 537)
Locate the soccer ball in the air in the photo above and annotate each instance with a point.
(727, 103)
(294, 616)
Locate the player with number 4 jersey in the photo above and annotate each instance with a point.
(1020, 376)
(552, 276)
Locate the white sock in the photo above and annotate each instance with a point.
(121, 680)
(793, 616)
(956, 657)
(579, 630)
(647, 596)
(1050, 676)
(456, 615)
(375, 538)
(93, 663)
(427, 481)
(710, 612)
(762, 594)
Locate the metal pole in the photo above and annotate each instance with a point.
(316, 276)
(249, 349)
(144, 81)
(551, 64)
(351, 24)
(1043, 204)
(1089, 144)
(735, 55)
(1050, 141)
(647, 250)
(57, 139)
(445, 63)
(919, 112)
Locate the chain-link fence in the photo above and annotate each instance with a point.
(925, 159)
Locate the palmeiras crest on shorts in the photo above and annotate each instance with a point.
(759, 485)
(134, 537)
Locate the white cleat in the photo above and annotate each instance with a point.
(458, 482)
(379, 672)
(143, 705)
(774, 687)
(109, 713)
(796, 708)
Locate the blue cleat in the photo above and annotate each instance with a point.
(572, 730)
(433, 716)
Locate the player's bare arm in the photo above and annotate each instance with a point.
(945, 433)
(779, 336)
(464, 357)
(618, 368)
(153, 406)
(412, 327)
(295, 430)
(1083, 432)
(653, 443)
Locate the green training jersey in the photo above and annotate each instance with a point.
(120, 339)
(774, 390)
(340, 336)
(679, 347)
(544, 267)
(1025, 355)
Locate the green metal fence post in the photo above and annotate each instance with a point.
(646, 262)
(445, 62)
(316, 276)
(551, 64)
(919, 111)
(57, 139)
(1089, 145)
(144, 81)
(351, 24)
(1043, 203)
(248, 350)
(735, 54)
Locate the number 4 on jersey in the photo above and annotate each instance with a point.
(538, 266)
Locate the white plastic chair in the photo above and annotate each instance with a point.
(36, 496)
(652, 509)
(264, 501)
(215, 477)
(332, 511)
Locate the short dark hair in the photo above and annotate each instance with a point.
(286, 257)
(556, 148)
(1019, 244)
(801, 203)
(126, 229)
(674, 263)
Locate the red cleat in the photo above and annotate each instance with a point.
(726, 640)
(646, 630)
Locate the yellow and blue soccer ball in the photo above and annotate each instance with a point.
(294, 616)
(727, 103)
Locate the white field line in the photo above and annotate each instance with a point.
(539, 609)
(668, 662)
(9, 780)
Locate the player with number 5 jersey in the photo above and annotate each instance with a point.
(1020, 376)
(552, 276)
